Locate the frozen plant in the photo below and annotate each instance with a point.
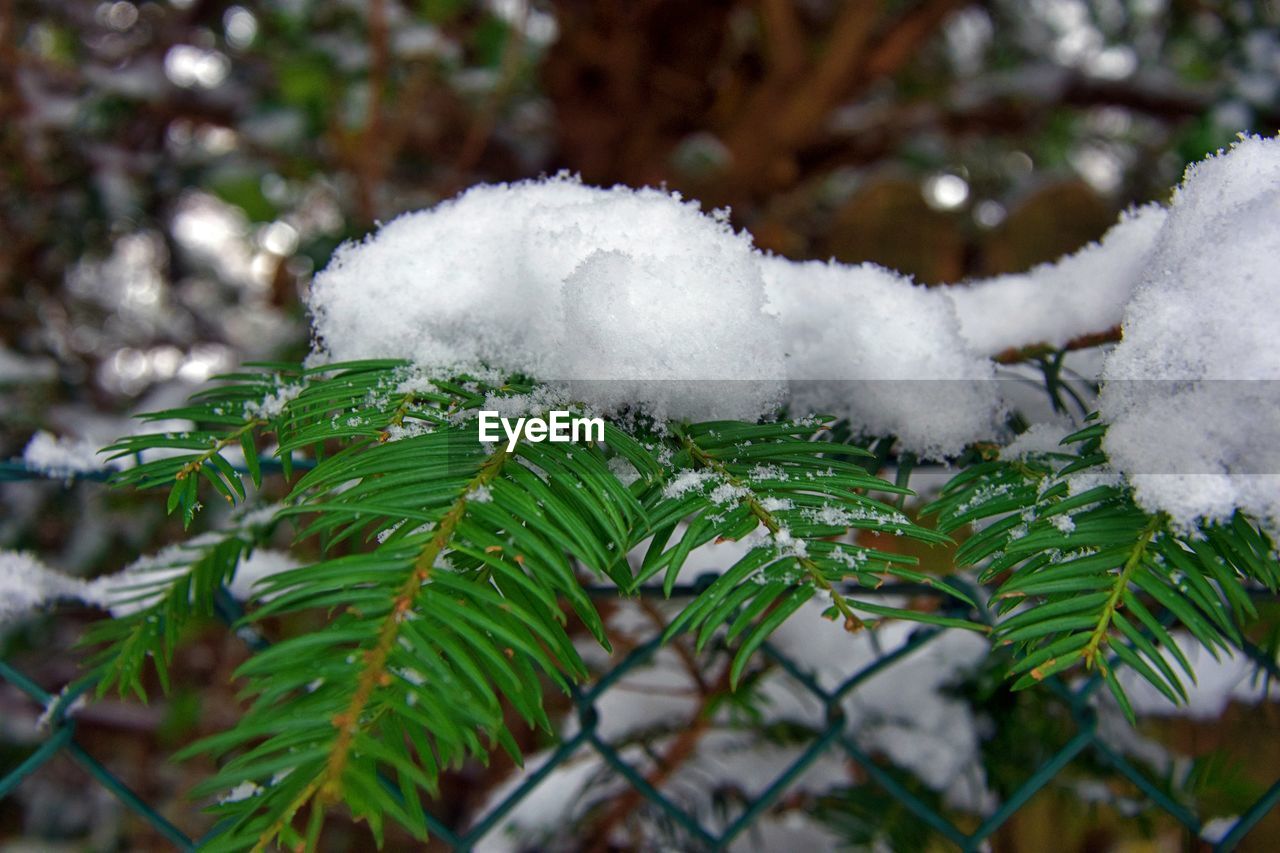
(747, 400)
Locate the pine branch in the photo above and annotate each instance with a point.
(164, 596)
(852, 623)
(443, 624)
(1123, 579)
(1097, 581)
(788, 498)
(374, 671)
(451, 605)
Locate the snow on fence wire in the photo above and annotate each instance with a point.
(834, 737)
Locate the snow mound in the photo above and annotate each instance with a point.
(26, 584)
(1191, 391)
(620, 297)
(626, 297)
(1081, 294)
(567, 283)
(867, 344)
(63, 457)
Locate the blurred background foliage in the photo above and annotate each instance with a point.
(172, 172)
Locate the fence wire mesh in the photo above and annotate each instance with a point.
(695, 831)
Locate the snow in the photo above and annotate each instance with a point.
(58, 707)
(620, 297)
(550, 803)
(689, 480)
(63, 457)
(1218, 828)
(1081, 294)
(623, 470)
(903, 713)
(866, 344)
(143, 582)
(1044, 437)
(625, 297)
(27, 584)
(243, 791)
(272, 406)
(663, 690)
(724, 761)
(263, 515)
(1190, 391)
(261, 564)
(635, 296)
(1219, 681)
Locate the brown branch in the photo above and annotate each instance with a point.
(13, 106)
(1004, 109)
(778, 115)
(371, 155)
(833, 74)
(784, 38)
(793, 117)
(10, 94)
(899, 45)
(681, 649)
(486, 117)
(1155, 99)
(1014, 355)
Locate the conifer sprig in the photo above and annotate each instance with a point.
(449, 568)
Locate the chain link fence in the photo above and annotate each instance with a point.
(1085, 740)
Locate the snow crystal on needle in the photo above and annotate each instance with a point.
(1080, 294)
(867, 344)
(567, 283)
(1045, 437)
(1191, 391)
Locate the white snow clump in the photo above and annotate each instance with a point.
(629, 296)
(1191, 391)
(26, 584)
(622, 296)
(1081, 294)
(866, 344)
(63, 457)
(564, 282)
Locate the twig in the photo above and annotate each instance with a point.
(486, 118)
(371, 155)
(1030, 352)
